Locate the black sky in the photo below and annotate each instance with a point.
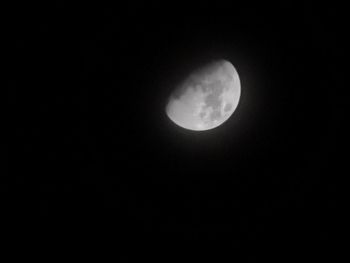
(97, 163)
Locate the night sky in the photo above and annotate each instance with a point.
(97, 164)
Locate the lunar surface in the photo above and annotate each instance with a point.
(207, 98)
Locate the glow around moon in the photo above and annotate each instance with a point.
(207, 98)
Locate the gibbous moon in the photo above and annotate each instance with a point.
(207, 98)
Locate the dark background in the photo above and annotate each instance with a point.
(96, 164)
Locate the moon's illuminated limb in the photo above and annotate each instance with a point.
(207, 99)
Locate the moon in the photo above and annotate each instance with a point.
(206, 98)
